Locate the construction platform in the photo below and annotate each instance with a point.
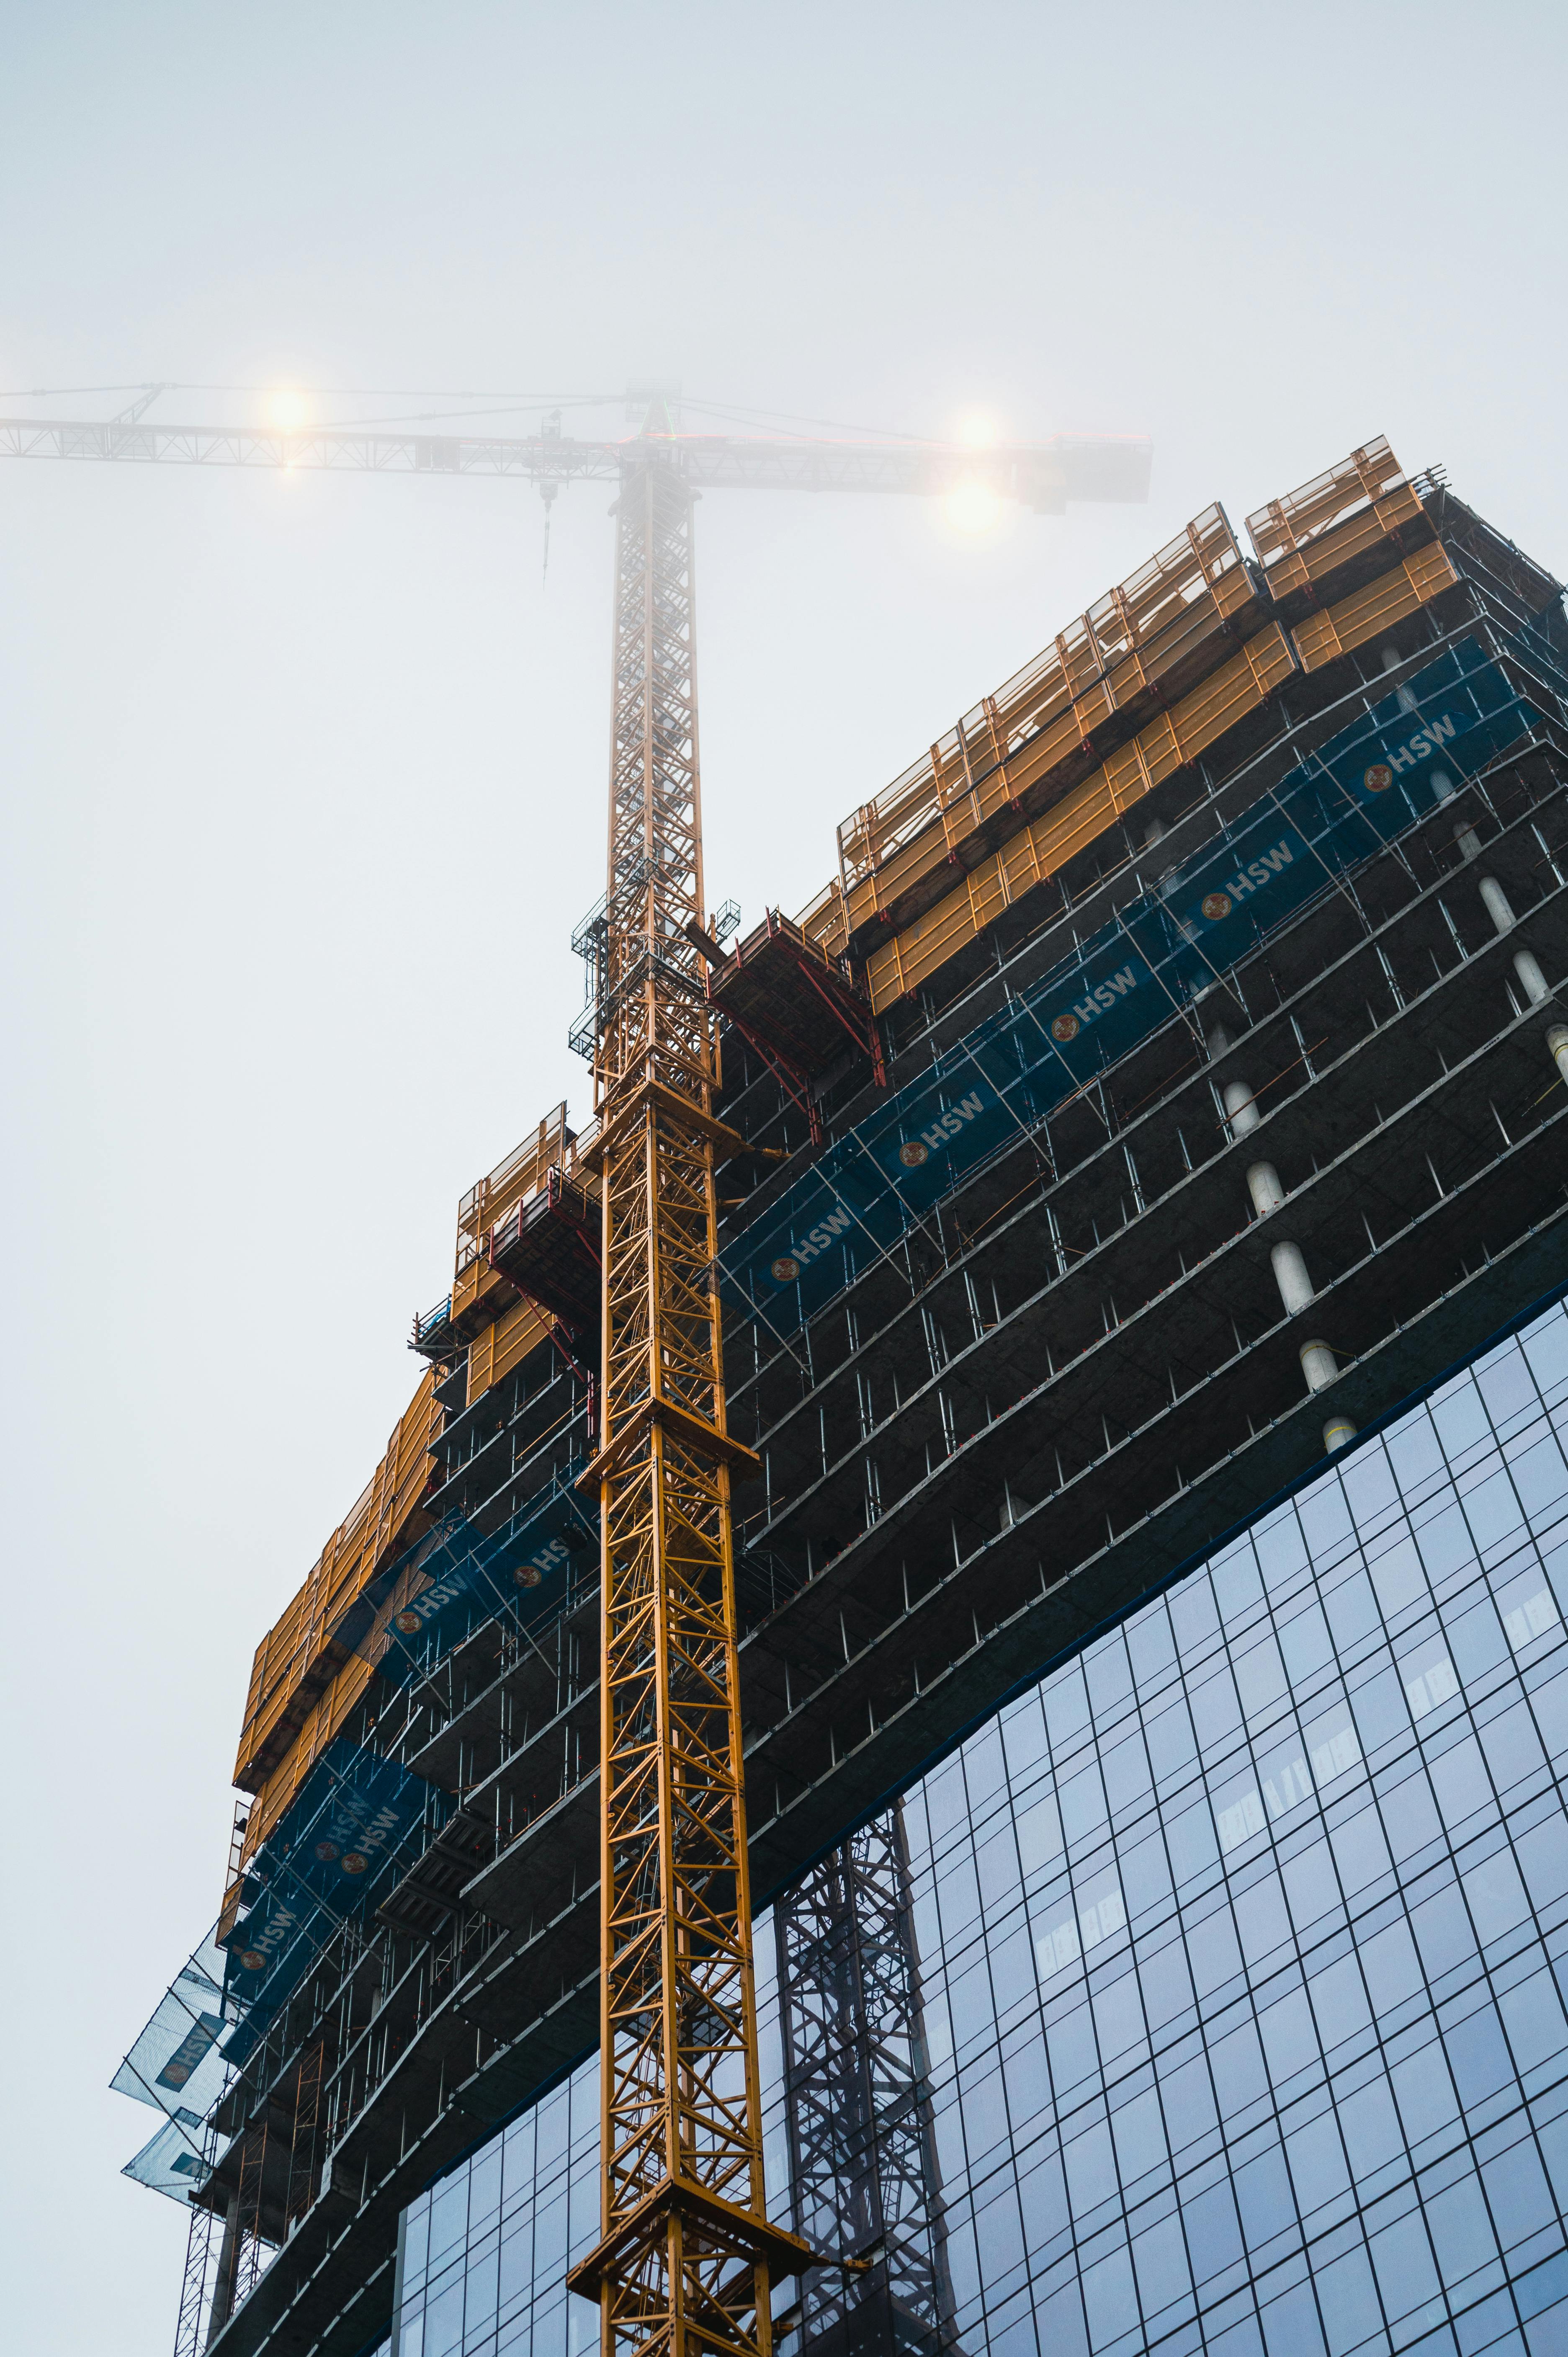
(795, 1007)
(1234, 927)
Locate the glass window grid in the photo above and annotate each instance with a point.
(1307, 2093)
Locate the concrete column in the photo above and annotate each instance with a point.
(1290, 1275)
(1468, 841)
(1318, 1363)
(1496, 901)
(1263, 1186)
(1241, 1110)
(1012, 1509)
(228, 2271)
(1525, 965)
(1442, 785)
(1235, 1096)
(1392, 662)
(1557, 1047)
(1533, 981)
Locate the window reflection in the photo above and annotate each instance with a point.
(1097, 1916)
(1255, 2051)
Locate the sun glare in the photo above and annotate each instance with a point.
(978, 432)
(972, 508)
(287, 411)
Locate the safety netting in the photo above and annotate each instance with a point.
(330, 1859)
(351, 1828)
(1338, 806)
(180, 2067)
(459, 1579)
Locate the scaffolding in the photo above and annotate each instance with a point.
(1079, 1291)
(481, 1296)
(299, 1657)
(1143, 641)
(1350, 799)
(795, 1006)
(1139, 686)
(239, 2055)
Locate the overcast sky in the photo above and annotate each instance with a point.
(304, 776)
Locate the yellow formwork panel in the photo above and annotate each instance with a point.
(296, 1658)
(491, 1198)
(1106, 661)
(304, 1685)
(1382, 523)
(1308, 533)
(1177, 736)
(825, 920)
(1039, 850)
(326, 1720)
(472, 1286)
(496, 1352)
(1377, 606)
(1045, 715)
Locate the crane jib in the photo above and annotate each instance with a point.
(1081, 467)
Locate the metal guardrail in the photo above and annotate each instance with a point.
(427, 1324)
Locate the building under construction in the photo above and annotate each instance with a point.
(1142, 1220)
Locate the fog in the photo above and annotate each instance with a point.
(305, 774)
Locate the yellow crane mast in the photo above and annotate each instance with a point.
(686, 2248)
(687, 2253)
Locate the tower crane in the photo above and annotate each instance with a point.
(686, 2251)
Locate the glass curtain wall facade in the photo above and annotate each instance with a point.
(1242, 1941)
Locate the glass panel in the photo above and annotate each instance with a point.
(1382, 1926)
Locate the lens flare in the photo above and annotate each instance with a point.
(972, 509)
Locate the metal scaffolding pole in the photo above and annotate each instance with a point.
(687, 2251)
(863, 2156)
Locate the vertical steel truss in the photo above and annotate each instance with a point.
(857, 2107)
(277, 2163)
(686, 2251)
(203, 2264)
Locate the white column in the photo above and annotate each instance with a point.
(1534, 983)
(1290, 1275)
(1392, 662)
(1525, 964)
(1263, 1186)
(1496, 901)
(1241, 1107)
(1318, 1363)
(1241, 1110)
